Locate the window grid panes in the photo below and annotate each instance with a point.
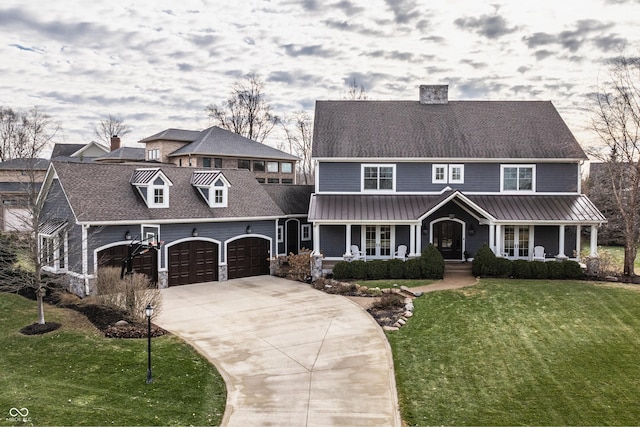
(517, 178)
(378, 178)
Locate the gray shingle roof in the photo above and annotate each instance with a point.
(292, 199)
(65, 150)
(379, 208)
(174, 135)
(221, 142)
(25, 163)
(124, 153)
(100, 193)
(458, 129)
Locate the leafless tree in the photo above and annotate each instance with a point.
(246, 111)
(355, 91)
(616, 120)
(111, 126)
(24, 134)
(298, 129)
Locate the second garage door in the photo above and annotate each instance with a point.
(248, 257)
(194, 261)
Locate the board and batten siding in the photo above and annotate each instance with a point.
(417, 177)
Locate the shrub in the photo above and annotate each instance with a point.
(377, 269)
(572, 270)
(503, 267)
(485, 262)
(359, 270)
(412, 269)
(388, 302)
(432, 263)
(342, 271)
(555, 269)
(131, 294)
(520, 269)
(300, 264)
(396, 268)
(539, 270)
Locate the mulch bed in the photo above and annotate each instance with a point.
(39, 329)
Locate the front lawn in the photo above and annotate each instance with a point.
(75, 376)
(508, 352)
(391, 283)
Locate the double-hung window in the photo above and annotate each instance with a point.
(518, 177)
(378, 177)
(447, 174)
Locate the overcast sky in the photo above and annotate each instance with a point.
(157, 64)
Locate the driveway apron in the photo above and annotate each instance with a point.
(290, 355)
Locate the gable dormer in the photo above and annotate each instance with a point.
(153, 185)
(213, 187)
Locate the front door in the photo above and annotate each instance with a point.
(378, 241)
(447, 238)
(516, 241)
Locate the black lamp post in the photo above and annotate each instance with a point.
(149, 312)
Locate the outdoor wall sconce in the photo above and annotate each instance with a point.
(194, 232)
(127, 235)
(248, 230)
(472, 230)
(451, 216)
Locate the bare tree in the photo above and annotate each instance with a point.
(298, 129)
(24, 134)
(355, 91)
(617, 122)
(31, 133)
(246, 111)
(111, 126)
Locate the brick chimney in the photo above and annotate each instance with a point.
(434, 94)
(115, 142)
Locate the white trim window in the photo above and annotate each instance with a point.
(280, 234)
(378, 177)
(159, 193)
(456, 174)
(439, 174)
(447, 174)
(306, 232)
(518, 178)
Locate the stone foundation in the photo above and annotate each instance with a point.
(222, 273)
(163, 279)
(593, 266)
(316, 267)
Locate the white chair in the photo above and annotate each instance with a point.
(357, 253)
(401, 253)
(539, 253)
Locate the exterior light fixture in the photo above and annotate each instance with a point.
(248, 230)
(194, 232)
(471, 230)
(149, 312)
(127, 235)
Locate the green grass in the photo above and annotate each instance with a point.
(75, 376)
(521, 353)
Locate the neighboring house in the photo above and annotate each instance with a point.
(123, 155)
(20, 180)
(217, 148)
(79, 152)
(215, 224)
(455, 174)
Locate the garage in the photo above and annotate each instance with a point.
(146, 263)
(195, 261)
(247, 257)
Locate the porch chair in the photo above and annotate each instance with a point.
(357, 253)
(539, 253)
(401, 253)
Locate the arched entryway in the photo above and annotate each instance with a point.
(293, 236)
(193, 261)
(447, 237)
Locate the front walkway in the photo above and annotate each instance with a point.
(290, 355)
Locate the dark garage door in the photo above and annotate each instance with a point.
(248, 257)
(146, 263)
(195, 261)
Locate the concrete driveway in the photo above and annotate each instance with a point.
(290, 355)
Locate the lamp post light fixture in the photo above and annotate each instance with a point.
(149, 312)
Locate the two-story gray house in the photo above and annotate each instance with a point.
(457, 174)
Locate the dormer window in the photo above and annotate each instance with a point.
(213, 187)
(153, 186)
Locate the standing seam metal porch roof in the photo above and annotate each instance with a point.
(575, 208)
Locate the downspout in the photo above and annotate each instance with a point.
(85, 258)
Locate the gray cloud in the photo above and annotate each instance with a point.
(205, 40)
(490, 26)
(610, 42)
(185, 67)
(476, 65)
(314, 50)
(351, 27)
(290, 77)
(404, 11)
(28, 49)
(542, 54)
(348, 7)
(573, 40)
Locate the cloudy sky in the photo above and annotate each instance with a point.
(157, 64)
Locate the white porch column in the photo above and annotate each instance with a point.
(347, 251)
(492, 236)
(499, 250)
(418, 239)
(561, 243)
(593, 245)
(412, 241)
(578, 231)
(316, 239)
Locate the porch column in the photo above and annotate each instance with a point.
(578, 231)
(412, 241)
(498, 250)
(316, 239)
(347, 251)
(418, 239)
(492, 237)
(593, 246)
(561, 243)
